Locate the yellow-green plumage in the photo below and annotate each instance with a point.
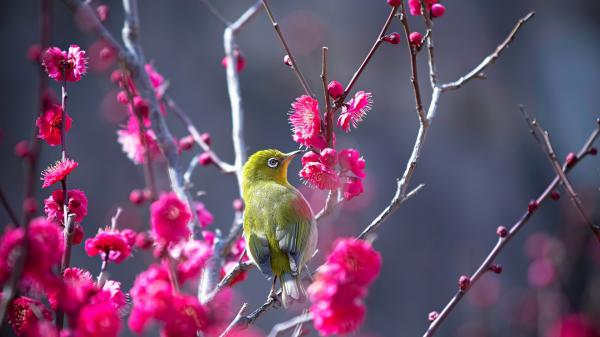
(279, 225)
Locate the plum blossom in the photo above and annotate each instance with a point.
(78, 203)
(340, 286)
(320, 176)
(72, 63)
(132, 143)
(49, 125)
(57, 172)
(415, 6)
(98, 320)
(205, 217)
(21, 315)
(354, 111)
(170, 217)
(191, 256)
(109, 241)
(76, 288)
(350, 159)
(305, 120)
(352, 187)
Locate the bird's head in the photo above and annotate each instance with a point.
(268, 165)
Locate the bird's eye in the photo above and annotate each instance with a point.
(273, 162)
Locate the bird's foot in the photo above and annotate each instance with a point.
(277, 302)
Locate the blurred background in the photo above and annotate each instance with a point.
(480, 166)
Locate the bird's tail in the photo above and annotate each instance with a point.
(292, 289)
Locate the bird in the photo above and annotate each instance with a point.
(279, 225)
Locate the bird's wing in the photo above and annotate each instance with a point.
(295, 224)
(258, 249)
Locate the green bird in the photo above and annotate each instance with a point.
(279, 226)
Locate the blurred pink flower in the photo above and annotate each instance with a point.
(205, 217)
(78, 203)
(186, 318)
(98, 320)
(352, 187)
(72, 62)
(191, 256)
(22, 315)
(49, 125)
(573, 325)
(169, 218)
(350, 159)
(132, 143)
(360, 263)
(111, 242)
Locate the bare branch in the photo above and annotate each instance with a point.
(290, 324)
(215, 13)
(490, 59)
(329, 113)
(295, 67)
(502, 241)
(8, 208)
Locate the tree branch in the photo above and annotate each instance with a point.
(502, 241)
(290, 324)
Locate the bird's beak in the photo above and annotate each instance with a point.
(290, 155)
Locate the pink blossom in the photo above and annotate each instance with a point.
(57, 172)
(350, 159)
(573, 325)
(319, 176)
(191, 256)
(45, 246)
(339, 319)
(352, 187)
(11, 239)
(186, 318)
(111, 242)
(53, 205)
(152, 297)
(355, 110)
(49, 125)
(170, 217)
(111, 293)
(76, 287)
(305, 120)
(415, 6)
(98, 320)
(205, 217)
(310, 157)
(73, 63)
(23, 319)
(132, 143)
(360, 263)
(156, 78)
(335, 89)
(129, 235)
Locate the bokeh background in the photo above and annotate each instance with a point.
(480, 165)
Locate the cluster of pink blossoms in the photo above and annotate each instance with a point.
(323, 167)
(65, 65)
(340, 286)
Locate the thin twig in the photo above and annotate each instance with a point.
(286, 47)
(292, 323)
(9, 210)
(490, 258)
(367, 59)
(490, 59)
(329, 113)
(542, 137)
(215, 13)
(66, 258)
(233, 325)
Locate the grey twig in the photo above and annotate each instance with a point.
(286, 47)
(216, 13)
(502, 241)
(290, 324)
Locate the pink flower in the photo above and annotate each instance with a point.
(49, 125)
(73, 63)
(573, 325)
(186, 318)
(360, 263)
(191, 256)
(352, 187)
(205, 217)
(21, 315)
(305, 120)
(78, 203)
(170, 217)
(151, 296)
(320, 176)
(111, 293)
(57, 172)
(73, 292)
(98, 320)
(132, 142)
(336, 320)
(350, 159)
(355, 110)
(415, 6)
(156, 78)
(111, 242)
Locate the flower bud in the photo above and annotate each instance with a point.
(309, 157)
(287, 61)
(554, 195)
(533, 205)
(238, 205)
(329, 157)
(394, 3)
(502, 231)
(122, 98)
(206, 138)
(102, 11)
(240, 64)
(437, 10)
(78, 234)
(571, 159)
(415, 39)
(433, 316)
(393, 38)
(34, 52)
(335, 89)
(186, 143)
(116, 77)
(106, 54)
(205, 159)
(137, 197)
(30, 205)
(143, 240)
(593, 151)
(22, 149)
(496, 268)
(464, 282)
(141, 106)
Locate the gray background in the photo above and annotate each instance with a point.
(479, 165)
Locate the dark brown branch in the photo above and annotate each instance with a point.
(286, 47)
(501, 244)
(490, 59)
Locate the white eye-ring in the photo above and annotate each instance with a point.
(273, 162)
